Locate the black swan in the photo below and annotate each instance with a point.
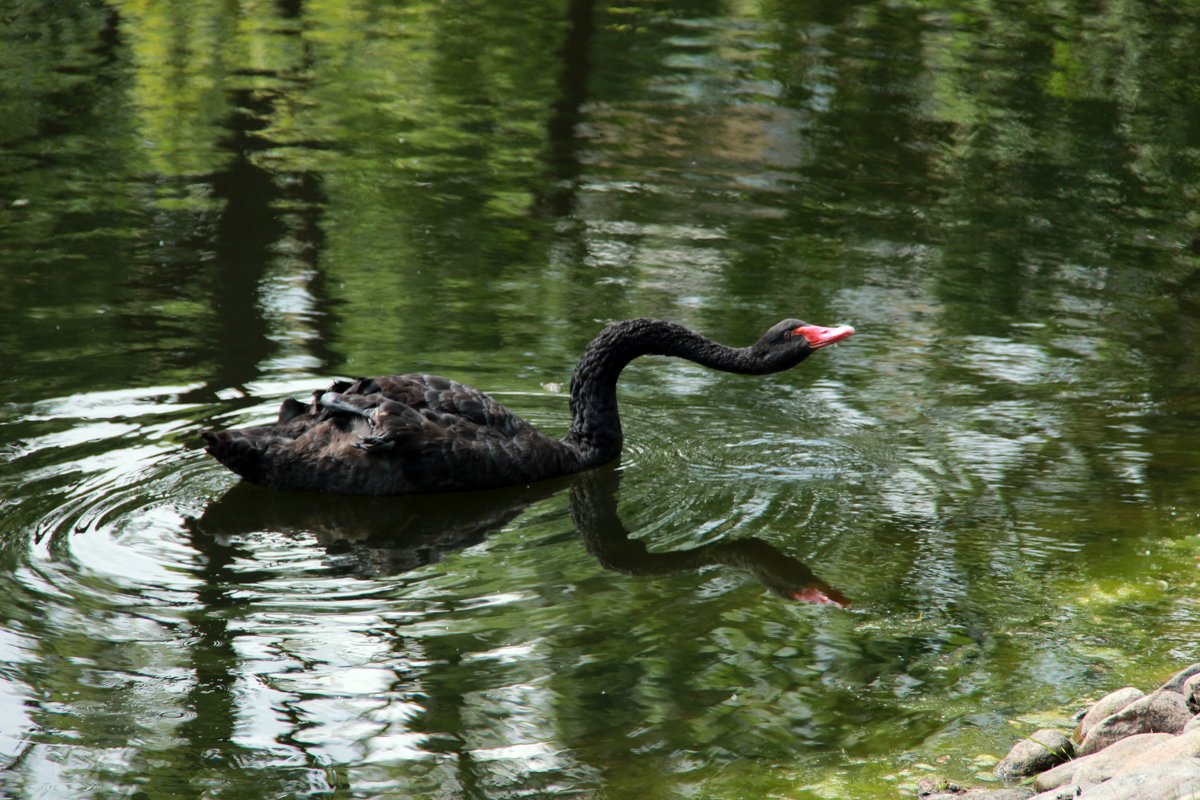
(409, 434)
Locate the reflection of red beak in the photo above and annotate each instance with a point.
(824, 596)
(820, 337)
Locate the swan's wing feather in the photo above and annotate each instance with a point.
(451, 404)
(418, 416)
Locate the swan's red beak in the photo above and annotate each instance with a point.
(821, 337)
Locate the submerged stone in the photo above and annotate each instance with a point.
(1038, 752)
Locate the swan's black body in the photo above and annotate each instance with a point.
(406, 434)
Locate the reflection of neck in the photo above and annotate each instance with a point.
(594, 509)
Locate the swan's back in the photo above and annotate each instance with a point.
(399, 434)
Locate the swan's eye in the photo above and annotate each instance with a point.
(787, 334)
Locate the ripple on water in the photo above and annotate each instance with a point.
(311, 622)
(698, 475)
(111, 508)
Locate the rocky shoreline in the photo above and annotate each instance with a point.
(1128, 745)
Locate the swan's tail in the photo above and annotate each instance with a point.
(243, 454)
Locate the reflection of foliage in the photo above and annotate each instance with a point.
(427, 126)
(182, 68)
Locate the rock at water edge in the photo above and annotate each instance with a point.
(1036, 753)
(1161, 712)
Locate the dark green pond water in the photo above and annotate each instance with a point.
(208, 207)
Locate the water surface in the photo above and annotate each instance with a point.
(206, 210)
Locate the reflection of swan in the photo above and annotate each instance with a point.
(383, 535)
(414, 434)
(391, 535)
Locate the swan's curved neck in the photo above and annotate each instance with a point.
(595, 422)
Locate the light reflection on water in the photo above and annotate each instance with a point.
(327, 627)
(119, 537)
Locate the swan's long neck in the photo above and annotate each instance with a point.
(595, 422)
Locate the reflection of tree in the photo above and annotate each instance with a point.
(439, 145)
(562, 158)
(435, 144)
(247, 227)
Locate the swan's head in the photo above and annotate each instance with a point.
(788, 343)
